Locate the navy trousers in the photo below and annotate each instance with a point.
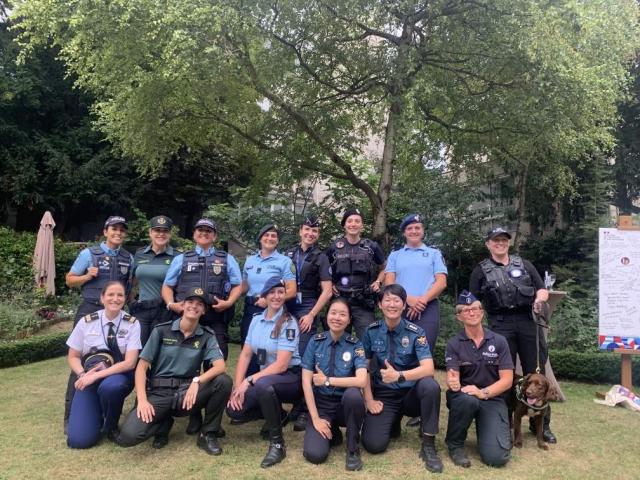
(421, 400)
(346, 411)
(299, 311)
(249, 311)
(429, 321)
(98, 407)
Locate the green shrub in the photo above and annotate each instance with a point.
(14, 318)
(33, 349)
(16, 270)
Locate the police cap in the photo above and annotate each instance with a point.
(207, 222)
(115, 220)
(267, 228)
(466, 298)
(270, 284)
(348, 213)
(498, 231)
(196, 292)
(409, 219)
(310, 221)
(161, 222)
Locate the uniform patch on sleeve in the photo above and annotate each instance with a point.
(413, 327)
(359, 352)
(422, 340)
(293, 268)
(351, 339)
(320, 336)
(291, 334)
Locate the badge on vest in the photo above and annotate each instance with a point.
(291, 334)
(124, 270)
(344, 281)
(217, 269)
(346, 356)
(515, 273)
(340, 244)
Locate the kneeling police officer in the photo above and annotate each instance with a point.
(175, 352)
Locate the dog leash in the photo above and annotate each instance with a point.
(544, 323)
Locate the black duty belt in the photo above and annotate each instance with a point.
(150, 303)
(169, 382)
(309, 293)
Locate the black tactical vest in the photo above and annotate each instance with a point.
(507, 287)
(307, 278)
(352, 265)
(209, 273)
(110, 268)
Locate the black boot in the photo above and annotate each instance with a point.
(162, 437)
(413, 422)
(195, 423)
(270, 407)
(284, 415)
(429, 454)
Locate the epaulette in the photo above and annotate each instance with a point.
(128, 318)
(413, 327)
(91, 316)
(375, 324)
(320, 336)
(179, 249)
(351, 339)
(208, 329)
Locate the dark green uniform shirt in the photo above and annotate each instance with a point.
(150, 269)
(172, 355)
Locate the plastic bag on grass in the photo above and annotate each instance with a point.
(620, 395)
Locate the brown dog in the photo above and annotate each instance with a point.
(531, 398)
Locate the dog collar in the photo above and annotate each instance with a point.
(521, 397)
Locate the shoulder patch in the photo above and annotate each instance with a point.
(91, 316)
(179, 249)
(320, 336)
(413, 327)
(375, 324)
(351, 339)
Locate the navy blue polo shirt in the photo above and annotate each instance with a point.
(478, 366)
(348, 356)
(409, 347)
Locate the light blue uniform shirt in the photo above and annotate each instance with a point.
(258, 270)
(83, 261)
(175, 269)
(260, 336)
(415, 268)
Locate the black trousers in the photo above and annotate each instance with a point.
(492, 426)
(346, 411)
(288, 388)
(361, 316)
(149, 314)
(249, 311)
(167, 402)
(218, 322)
(421, 400)
(520, 331)
(299, 311)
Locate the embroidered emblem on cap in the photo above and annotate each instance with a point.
(357, 211)
(162, 221)
(417, 218)
(198, 291)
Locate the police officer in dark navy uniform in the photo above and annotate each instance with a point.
(313, 281)
(334, 369)
(403, 383)
(92, 270)
(352, 261)
(150, 265)
(508, 287)
(176, 352)
(479, 376)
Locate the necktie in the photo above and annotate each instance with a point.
(332, 361)
(392, 347)
(112, 343)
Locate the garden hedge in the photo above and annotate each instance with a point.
(33, 349)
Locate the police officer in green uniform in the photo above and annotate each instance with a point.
(150, 265)
(175, 352)
(509, 286)
(353, 261)
(479, 377)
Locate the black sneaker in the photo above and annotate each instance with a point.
(160, 441)
(396, 429)
(459, 458)
(209, 443)
(354, 462)
(413, 422)
(429, 454)
(114, 436)
(547, 434)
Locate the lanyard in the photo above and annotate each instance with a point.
(299, 266)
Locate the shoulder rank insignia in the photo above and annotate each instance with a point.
(351, 339)
(413, 327)
(128, 318)
(377, 323)
(91, 316)
(320, 336)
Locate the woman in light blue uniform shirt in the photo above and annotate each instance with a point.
(273, 338)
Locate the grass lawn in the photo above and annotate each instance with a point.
(594, 442)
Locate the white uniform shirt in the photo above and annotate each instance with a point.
(89, 334)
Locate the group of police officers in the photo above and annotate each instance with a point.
(186, 300)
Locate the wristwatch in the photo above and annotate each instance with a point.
(486, 393)
(327, 383)
(196, 380)
(169, 305)
(401, 378)
(250, 380)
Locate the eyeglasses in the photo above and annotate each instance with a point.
(468, 310)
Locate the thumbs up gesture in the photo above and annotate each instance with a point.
(389, 374)
(319, 377)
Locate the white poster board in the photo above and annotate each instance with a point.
(619, 289)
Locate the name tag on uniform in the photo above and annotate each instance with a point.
(262, 356)
(92, 333)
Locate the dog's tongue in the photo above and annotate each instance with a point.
(531, 401)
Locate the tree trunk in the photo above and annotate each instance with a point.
(522, 204)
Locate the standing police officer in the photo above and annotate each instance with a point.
(403, 383)
(508, 287)
(313, 281)
(149, 270)
(352, 261)
(479, 375)
(92, 270)
(175, 352)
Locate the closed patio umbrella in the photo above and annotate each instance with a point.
(45, 260)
